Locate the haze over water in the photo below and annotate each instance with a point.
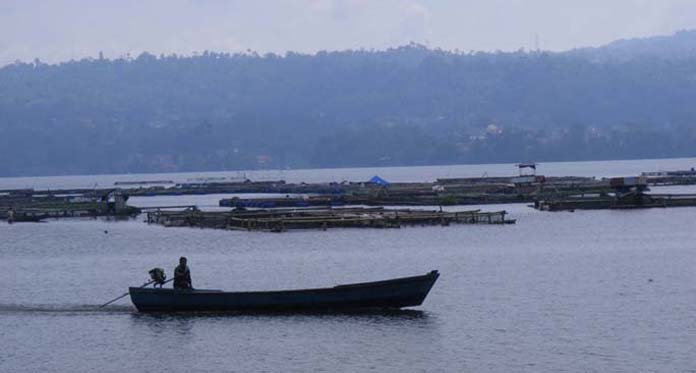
(584, 291)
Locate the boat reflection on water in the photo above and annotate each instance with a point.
(396, 314)
(400, 321)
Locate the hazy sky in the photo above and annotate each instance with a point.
(55, 30)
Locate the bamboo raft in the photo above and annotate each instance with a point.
(281, 220)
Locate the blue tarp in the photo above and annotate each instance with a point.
(378, 180)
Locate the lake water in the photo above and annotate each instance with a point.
(583, 291)
(394, 174)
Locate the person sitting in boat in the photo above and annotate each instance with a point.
(182, 275)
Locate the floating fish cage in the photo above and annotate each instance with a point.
(281, 220)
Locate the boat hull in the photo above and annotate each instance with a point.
(389, 294)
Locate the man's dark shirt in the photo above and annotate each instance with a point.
(182, 278)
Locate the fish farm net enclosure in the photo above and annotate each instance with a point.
(280, 220)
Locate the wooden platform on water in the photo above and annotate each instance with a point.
(443, 192)
(676, 177)
(635, 201)
(280, 220)
(29, 206)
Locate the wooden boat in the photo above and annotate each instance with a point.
(388, 294)
(26, 218)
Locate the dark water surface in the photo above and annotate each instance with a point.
(584, 291)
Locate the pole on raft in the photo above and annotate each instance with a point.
(123, 295)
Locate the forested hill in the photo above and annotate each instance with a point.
(681, 45)
(404, 106)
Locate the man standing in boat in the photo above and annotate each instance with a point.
(182, 275)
